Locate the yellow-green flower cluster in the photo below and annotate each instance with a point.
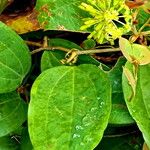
(109, 19)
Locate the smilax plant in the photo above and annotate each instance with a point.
(62, 89)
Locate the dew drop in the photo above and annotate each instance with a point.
(98, 98)
(101, 104)
(87, 120)
(93, 109)
(116, 82)
(82, 144)
(87, 139)
(78, 127)
(133, 110)
(76, 136)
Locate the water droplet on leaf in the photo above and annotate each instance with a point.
(98, 98)
(93, 109)
(76, 136)
(87, 120)
(87, 139)
(82, 144)
(78, 127)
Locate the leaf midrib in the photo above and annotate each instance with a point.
(88, 76)
(13, 54)
(12, 111)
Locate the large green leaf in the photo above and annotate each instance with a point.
(139, 105)
(60, 14)
(15, 59)
(119, 114)
(69, 108)
(8, 143)
(12, 112)
(53, 58)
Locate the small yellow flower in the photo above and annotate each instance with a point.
(110, 19)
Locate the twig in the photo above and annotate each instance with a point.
(93, 51)
(50, 48)
(79, 52)
(31, 43)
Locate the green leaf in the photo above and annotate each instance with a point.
(8, 143)
(60, 14)
(88, 44)
(115, 75)
(142, 18)
(69, 108)
(25, 140)
(15, 59)
(119, 114)
(135, 53)
(12, 112)
(139, 106)
(53, 58)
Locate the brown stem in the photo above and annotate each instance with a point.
(93, 51)
(50, 48)
(34, 43)
(77, 51)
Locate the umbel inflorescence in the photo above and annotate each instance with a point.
(109, 19)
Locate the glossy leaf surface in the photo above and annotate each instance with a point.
(12, 112)
(60, 14)
(69, 108)
(135, 53)
(139, 105)
(15, 59)
(119, 114)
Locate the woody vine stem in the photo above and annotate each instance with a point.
(78, 52)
